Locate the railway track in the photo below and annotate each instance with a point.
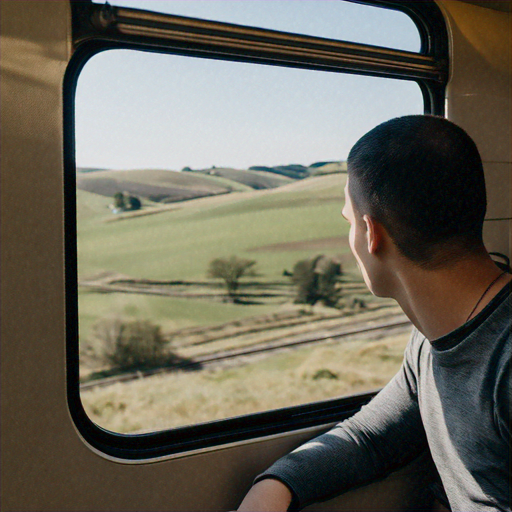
(398, 322)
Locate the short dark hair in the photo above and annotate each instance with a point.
(422, 178)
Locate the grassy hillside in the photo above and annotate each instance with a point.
(91, 206)
(156, 185)
(257, 180)
(328, 168)
(295, 171)
(275, 227)
(299, 172)
(157, 178)
(171, 186)
(179, 244)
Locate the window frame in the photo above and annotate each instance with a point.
(97, 28)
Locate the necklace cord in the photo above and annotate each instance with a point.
(483, 294)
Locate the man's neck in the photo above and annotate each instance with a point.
(439, 301)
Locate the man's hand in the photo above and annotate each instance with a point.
(267, 495)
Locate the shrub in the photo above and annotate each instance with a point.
(130, 345)
(124, 201)
(119, 203)
(317, 280)
(325, 373)
(231, 270)
(133, 203)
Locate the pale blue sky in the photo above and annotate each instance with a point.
(146, 110)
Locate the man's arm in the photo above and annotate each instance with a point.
(383, 436)
(268, 495)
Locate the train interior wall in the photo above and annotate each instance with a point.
(45, 464)
(479, 100)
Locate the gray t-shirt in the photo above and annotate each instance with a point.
(452, 395)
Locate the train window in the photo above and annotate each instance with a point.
(215, 277)
(212, 296)
(324, 18)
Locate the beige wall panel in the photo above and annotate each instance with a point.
(479, 99)
(479, 95)
(497, 236)
(35, 50)
(498, 180)
(488, 123)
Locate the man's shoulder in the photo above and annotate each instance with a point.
(418, 342)
(417, 352)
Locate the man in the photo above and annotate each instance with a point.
(415, 200)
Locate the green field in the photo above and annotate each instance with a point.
(179, 244)
(168, 312)
(275, 227)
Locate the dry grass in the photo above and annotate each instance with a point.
(234, 337)
(265, 382)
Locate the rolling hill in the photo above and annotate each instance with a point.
(257, 180)
(172, 186)
(166, 186)
(156, 185)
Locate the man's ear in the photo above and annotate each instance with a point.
(374, 234)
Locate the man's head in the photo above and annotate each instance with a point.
(421, 178)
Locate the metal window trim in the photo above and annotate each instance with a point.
(178, 34)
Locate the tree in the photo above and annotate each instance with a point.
(133, 203)
(304, 278)
(124, 201)
(316, 280)
(119, 203)
(231, 270)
